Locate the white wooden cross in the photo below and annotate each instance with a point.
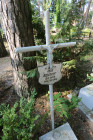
(49, 48)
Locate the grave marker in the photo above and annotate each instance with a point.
(50, 76)
(49, 48)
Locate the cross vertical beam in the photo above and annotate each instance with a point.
(49, 48)
(49, 61)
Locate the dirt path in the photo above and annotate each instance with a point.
(5, 65)
(6, 82)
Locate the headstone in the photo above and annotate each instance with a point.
(86, 104)
(63, 132)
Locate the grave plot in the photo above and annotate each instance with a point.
(86, 104)
(51, 73)
(63, 132)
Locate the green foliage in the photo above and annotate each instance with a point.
(86, 57)
(69, 64)
(90, 77)
(71, 55)
(65, 107)
(40, 57)
(19, 122)
(85, 48)
(86, 30)
(1, 30)
(46, 4)
(39, 31)
(31, 73)
(68, 16)
(57, 14)
(41, 122)
(64, 54)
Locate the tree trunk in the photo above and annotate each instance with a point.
(87, 12)
(17, 21)
(38, 2)
(3, 51)
(92, 22)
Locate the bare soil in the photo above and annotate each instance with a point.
(81, 126)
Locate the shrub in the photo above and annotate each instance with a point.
(65, 107)
(90, 77)
(19, 122)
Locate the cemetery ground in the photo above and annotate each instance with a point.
(70, 82)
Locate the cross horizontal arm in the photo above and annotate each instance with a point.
(44, 47)
(61, 45)
(31, 48)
